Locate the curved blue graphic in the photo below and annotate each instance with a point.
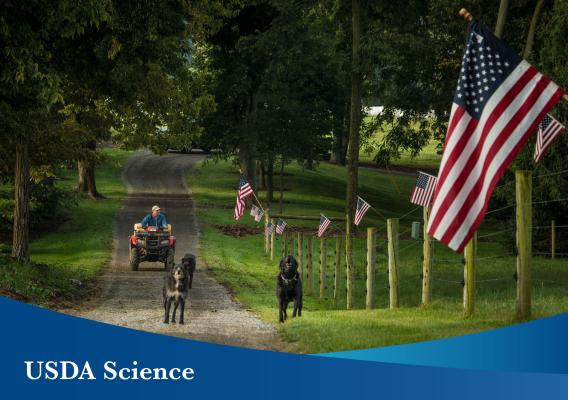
(30, 333)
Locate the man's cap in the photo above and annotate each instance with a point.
(155, 208)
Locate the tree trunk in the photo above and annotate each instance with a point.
(247, 163)
(341, 136)
(282, 185)
(270, 180)
(247, 160)
(20, 238)
(353, 149)
(86, 171)
(502, 18)
(532, 30)
(262, 172)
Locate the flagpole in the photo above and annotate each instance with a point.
(258, 201)
(468, 17)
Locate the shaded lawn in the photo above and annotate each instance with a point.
(78, 248)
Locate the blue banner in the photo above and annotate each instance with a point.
(46, 354)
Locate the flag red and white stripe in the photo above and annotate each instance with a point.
(496, 108)
(549, 130)
(280, 226)
(324, 224)
(239, 208)
(244, 191)
(423, 189)
(362, 208)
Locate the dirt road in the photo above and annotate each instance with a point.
(133, 299)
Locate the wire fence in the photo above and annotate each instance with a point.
(496, 258)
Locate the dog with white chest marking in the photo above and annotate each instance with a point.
(176, 291)
(289, 288)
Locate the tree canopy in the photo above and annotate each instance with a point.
(266, 81)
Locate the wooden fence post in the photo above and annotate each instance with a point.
(337, 277)
(266, 236)
(524, 242)
(272, 240)
(292, 245)
(310, 264)
(323, 264)
(470, 258)
(392, 233)
(553, 239)
(301, 254)
(285, 244)
(426, 262)
(371, 261)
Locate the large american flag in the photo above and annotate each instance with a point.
(280, 226)
(362, 207)
(245, 190)
(498, 103)
(324, 223)
(549, 130)
(423, 190)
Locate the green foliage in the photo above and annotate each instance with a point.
(550, 181)
(72, 251)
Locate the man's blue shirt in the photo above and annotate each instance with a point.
(159, 221)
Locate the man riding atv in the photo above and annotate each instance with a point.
(152, 241)
(156, 218)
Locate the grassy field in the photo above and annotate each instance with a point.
(65, 260)
(240, 263)
(429, 157)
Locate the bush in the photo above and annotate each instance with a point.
(48, 203)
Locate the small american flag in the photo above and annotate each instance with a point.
(244, 190)
(324, 223)
(424, 189)
(280, 226)
(362, 207)
(256, 212)
(549, 130)
(269, 229)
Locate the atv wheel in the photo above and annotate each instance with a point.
(134, 259)
(169, 263)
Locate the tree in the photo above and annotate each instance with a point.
(133, 76)
(30, 84)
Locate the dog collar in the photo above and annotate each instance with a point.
(286, 281)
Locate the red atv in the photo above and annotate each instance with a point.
(152, 244)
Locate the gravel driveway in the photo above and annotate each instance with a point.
(133, 299)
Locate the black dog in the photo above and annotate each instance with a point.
(289, 288)
(189, 263)
(176, 289)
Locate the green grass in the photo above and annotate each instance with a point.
(240, 263)
(65, 260)
(429, 157)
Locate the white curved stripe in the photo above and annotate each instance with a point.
(551, 135)
(498, 160)
(452, 139)
(458, 132)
